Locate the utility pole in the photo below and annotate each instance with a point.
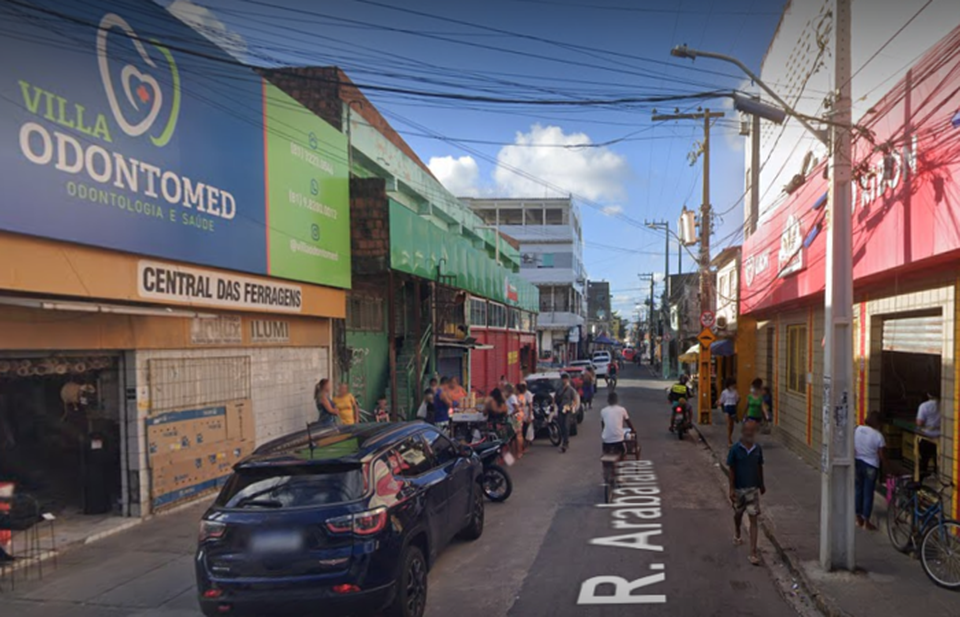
(706, 226)
(664, 226)
(837, 546)
(649, 277)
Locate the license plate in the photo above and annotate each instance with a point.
(276, 542)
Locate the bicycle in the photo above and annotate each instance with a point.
(916, 521)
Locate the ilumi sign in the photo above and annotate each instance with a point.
(120, 141)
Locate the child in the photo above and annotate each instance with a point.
(745, 461)
(381, 413)
(729, 399)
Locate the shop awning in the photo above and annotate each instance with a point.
(467, 343)
(603, 339)
(723, 347)
(691, 355)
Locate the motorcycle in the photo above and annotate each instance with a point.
(680, 424)
(545, 419)
(497, 484)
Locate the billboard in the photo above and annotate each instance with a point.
(122, 128)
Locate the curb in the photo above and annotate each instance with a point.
(823, 603)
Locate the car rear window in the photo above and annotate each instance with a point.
(292, 487)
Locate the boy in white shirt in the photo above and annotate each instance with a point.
(614, 418)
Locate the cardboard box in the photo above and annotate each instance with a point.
(240, 421)
(186, 430)
(183, 474)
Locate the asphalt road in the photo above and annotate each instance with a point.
(538, 553)
(544, 549)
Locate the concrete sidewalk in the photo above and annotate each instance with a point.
(886, 583)
(146, 571)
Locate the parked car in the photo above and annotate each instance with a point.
(349, 519)
(583, 364)
(545, 386)
(601, 360)
(629, 353)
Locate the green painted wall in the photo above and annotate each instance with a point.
(369, 366)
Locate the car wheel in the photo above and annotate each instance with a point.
(474, 528)
(411, 597)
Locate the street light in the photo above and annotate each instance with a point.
(682, 51)
(837, 543)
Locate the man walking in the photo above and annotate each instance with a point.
(566, 401)
(928, 421)
(745, 461)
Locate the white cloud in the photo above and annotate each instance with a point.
(612, 210)
(204, 21)
(594, 173)
(460, 176)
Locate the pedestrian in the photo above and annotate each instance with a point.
(457, 393)
(427, 410)
(589, 386)
(381, 413)
(346, 405)
(613, 419)
(442, 403)
(755, 401)
(495, 406)
(515, 419)
(729, 399)
(869, 446)
(526, 402)
(329, 416)
(503, 383)
(745, 462)
(928, 421)
(566, 401)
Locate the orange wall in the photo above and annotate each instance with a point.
(39, 266)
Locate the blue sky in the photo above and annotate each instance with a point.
(538, 49)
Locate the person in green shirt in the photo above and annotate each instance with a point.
(755, 401)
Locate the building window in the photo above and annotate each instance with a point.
(513, 319)
(497, 316)
(554, 216)
(546, 260)
(478, 312)
(365, 314)
(511, 216)
(489, 217)
(533, 215)
(797, 359)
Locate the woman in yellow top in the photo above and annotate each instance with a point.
(346, 405)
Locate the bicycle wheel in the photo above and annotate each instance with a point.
(940, 554)
(900, 523)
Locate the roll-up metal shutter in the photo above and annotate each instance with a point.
(922, 335)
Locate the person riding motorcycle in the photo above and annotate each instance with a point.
(679, 394)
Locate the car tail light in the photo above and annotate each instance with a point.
(345, 588)
(211, 530)
(212, 593)
(362, 524)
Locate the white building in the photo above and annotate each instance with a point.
(551, 248)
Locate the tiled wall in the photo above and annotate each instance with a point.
(281, 387)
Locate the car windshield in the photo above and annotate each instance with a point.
(292, 487)
(544, 386)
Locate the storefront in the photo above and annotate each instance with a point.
(170, 268)
(506, 342)
(906, 255)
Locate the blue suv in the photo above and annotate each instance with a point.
(343, 521)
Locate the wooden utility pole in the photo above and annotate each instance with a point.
(706, 226)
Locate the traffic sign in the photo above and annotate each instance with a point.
(708, 319)
(706, 338)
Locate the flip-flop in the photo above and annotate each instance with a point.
(737, 541)
(755, 560)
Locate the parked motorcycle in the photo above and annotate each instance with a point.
(497, 484)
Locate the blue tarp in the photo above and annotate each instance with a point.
(604, 340)
(723, 347)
